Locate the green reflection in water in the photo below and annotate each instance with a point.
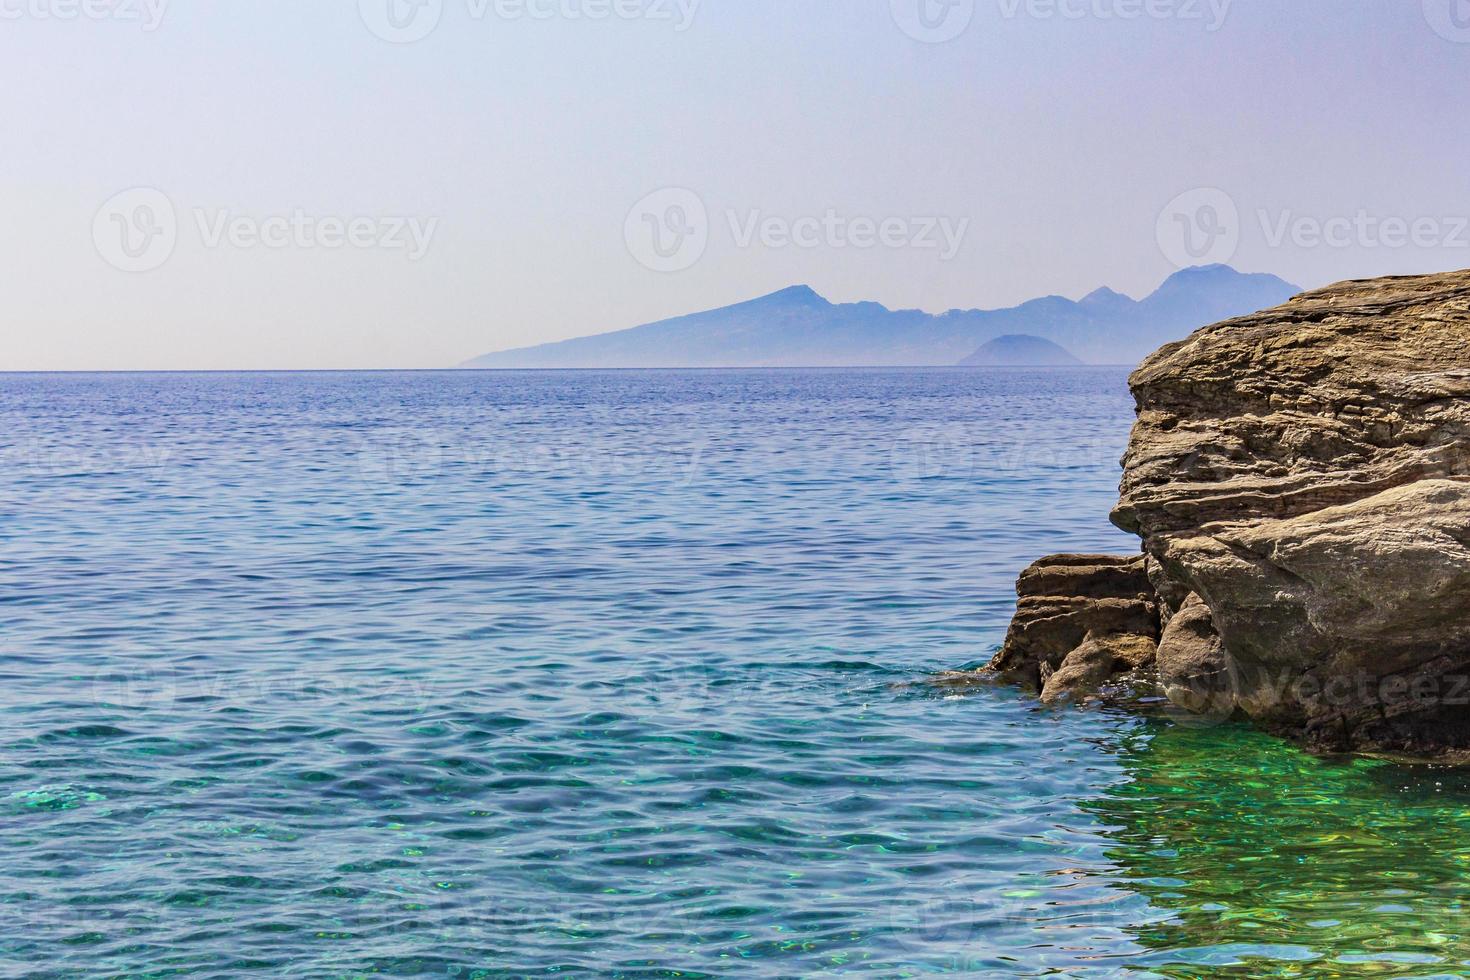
(1278, 864)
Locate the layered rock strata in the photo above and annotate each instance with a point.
(1080, 620)
(1300, 480)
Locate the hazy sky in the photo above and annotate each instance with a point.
(304, 193)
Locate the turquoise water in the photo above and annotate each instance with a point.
(623, 674)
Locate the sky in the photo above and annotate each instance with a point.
(273, 184)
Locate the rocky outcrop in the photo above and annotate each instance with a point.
(1080, 619)
(1300, 480)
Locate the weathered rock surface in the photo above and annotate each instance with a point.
(1194, 670)
(1079, 620)
(1301, 481)
(1099, 658)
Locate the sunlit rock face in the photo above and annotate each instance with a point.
(1080, 620)
(1300, 478)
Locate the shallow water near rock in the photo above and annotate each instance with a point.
(623, 674)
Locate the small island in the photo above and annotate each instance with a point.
(1020, 350)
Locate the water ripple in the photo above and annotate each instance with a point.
(623, 675)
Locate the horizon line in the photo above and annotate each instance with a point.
(527, 370)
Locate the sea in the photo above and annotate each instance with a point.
(629, 674)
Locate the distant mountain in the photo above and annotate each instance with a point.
(1019, 350)
(797, 328)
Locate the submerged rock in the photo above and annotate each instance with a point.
(1300, 479)
(1099, 658)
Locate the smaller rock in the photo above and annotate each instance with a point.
(1092, 664)
(1065, 600)
(1194, 669)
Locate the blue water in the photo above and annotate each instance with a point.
(586, 674)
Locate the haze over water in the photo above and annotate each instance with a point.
(623, 674)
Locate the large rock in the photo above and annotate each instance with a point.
(1325, 614)
(1301, 482)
